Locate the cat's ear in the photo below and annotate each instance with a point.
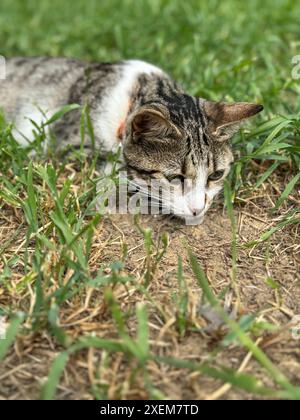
(153, 124)
(224, 119)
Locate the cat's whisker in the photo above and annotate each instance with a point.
(167, 205)
(156, 200)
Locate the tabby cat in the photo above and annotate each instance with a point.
(164, 133)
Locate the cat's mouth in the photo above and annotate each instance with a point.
(158, 197)
(133, 195)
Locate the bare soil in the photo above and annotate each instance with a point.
(27, 365)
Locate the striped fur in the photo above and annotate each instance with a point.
(164, 133)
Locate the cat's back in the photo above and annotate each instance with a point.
(41, 80)
(47, 84)
(34, 68)
(48, 79)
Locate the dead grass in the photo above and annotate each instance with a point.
(96, 373)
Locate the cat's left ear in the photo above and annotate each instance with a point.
(224, 118)
(152, 124)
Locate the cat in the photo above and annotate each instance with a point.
(164, 133)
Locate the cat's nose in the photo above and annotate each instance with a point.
(196, 211)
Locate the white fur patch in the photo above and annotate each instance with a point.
(23, 131)
(196, 199)
(114, 108)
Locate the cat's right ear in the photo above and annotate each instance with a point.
(224, 118)
(150, 123)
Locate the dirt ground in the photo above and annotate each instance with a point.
(27, 365)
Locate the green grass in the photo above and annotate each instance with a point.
(228, 50)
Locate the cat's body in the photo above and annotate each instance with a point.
(35, 88)
(164, 133)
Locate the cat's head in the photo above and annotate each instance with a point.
(186, 149)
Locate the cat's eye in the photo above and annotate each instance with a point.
(176, 178)
(216, 176)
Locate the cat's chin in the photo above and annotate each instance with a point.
(190, 220)
(194, 221)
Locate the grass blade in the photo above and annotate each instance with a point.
(63, 111)
(286, 193)
(56, 370)
(142, 332)
(11, 334)
(244, 339)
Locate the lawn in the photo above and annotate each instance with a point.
(135, 307)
